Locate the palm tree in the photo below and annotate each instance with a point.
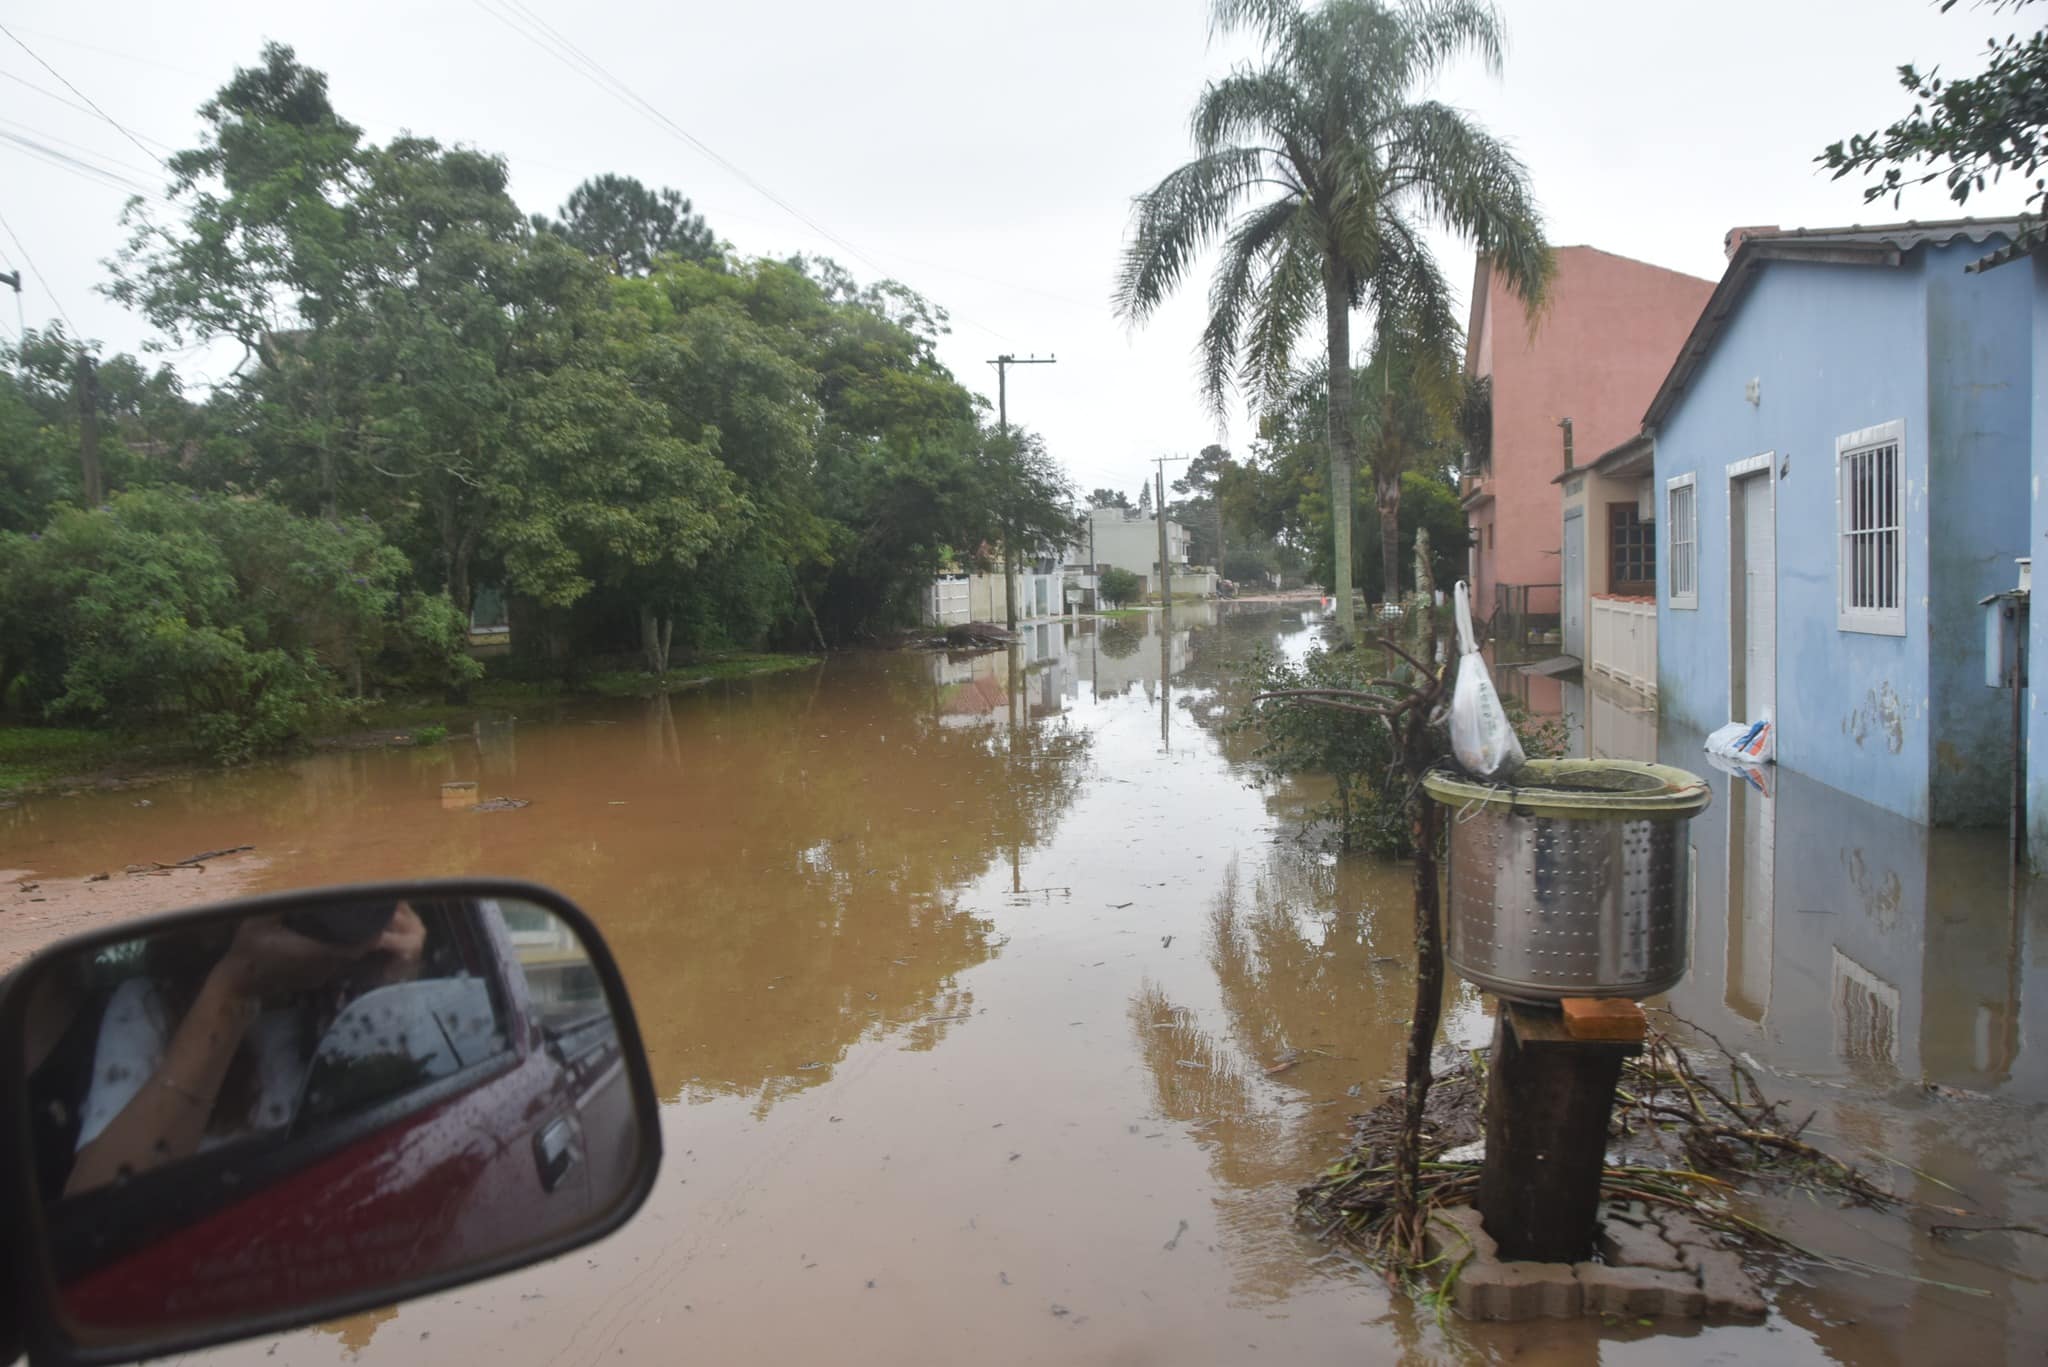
(1320, 171)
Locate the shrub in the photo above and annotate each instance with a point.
(432, 734)
(1118, 587)
(1368, 808)
(234, 614)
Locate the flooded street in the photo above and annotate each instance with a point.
(998, 1014)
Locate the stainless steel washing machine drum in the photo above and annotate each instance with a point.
(1571, 880)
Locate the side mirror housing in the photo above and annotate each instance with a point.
(244, 1118)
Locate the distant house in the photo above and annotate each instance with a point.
(1115, 538)
(1843, 468)
(1576, 381)
(959, 594)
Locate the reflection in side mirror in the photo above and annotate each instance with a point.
(281, 1110)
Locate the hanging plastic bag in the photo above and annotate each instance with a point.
(1481, 735)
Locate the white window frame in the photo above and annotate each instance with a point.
(1882, 620)
(1690, 599)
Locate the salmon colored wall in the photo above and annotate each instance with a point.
(1611, 331)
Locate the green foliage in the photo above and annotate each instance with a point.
(647, 446)
(1117, 587)
(433, 733)
(628, 227)
(1368, 807)
(1966, 132)
(237, 615)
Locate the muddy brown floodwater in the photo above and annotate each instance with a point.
(997, 1015)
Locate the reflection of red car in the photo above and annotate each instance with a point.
(445, 1121)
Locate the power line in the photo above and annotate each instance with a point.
(64, 161)
(81, 95)
(592, 70)
(90, 151)
(48, 93)
(36, 271)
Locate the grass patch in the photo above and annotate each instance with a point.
(1125, 612)
(633, 683)
(34, 757)
(31, 756)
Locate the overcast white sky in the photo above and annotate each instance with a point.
(985, 154)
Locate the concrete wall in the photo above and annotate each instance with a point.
(1836, 349)
(1607, 338)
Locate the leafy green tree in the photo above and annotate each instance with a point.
(1109, 498)
(242, 616)
(626, 225)
(268, 253)
(1117, 587)
(1358, 165)
(1967, 133)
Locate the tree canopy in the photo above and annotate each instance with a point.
(1967, 132)
(646, 442)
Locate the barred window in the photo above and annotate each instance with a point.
(1870, 500)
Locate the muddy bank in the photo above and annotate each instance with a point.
(36, 911)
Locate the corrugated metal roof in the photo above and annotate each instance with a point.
(1879, 245)
(1903, 236)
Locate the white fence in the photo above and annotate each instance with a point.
(1623, 643)
(947, 601)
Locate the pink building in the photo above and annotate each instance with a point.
(1578, 381)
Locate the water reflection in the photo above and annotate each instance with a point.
(1885, 977)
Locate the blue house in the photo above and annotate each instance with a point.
(1844, 463)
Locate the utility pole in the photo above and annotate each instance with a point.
(1165, 570)
(88, 387)
(1002, 364)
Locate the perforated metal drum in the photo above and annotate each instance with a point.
(1572, 881)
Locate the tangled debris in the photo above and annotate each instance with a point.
(1685, 1133)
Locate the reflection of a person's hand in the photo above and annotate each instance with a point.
(399, 947)
(266, 958)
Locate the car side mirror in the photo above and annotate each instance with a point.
(245, 1118)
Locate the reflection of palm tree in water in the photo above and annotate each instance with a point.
(1313, 967)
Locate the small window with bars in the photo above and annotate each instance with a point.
(1683, 583)
(1631, 551)
(1870, 505)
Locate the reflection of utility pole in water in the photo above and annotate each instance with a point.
(1165, 601)
(1016, 652)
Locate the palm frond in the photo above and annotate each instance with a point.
(1440, 30)
(1234, 293)
(1472, 183)
(1269, 19)
(1176, 219)
(1288, 297)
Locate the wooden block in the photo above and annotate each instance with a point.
(1604, 1018)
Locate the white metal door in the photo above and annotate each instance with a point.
(1574, 607)
(1753, 605)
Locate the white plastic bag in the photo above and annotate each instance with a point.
(1481, 735)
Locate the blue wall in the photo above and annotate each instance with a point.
(2037, 645)
(1836, 348)
(1980, 416)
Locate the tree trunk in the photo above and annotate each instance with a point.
(1425, 826)
(1343, 457)
(656, 633)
